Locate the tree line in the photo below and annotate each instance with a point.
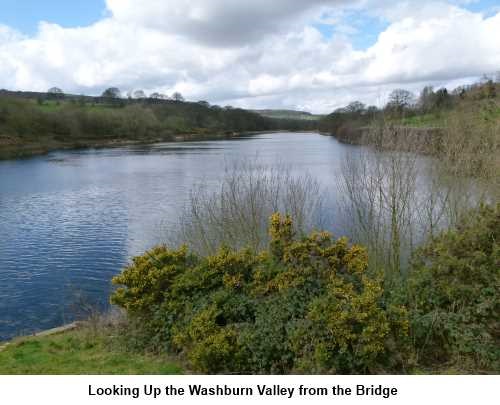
(403, 103)
(45, 121)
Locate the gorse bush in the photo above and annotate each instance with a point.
(308, 304)
(454, 294)
(303, 305)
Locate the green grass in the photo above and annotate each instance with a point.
(78, 352)
(424, 121)
(289, 114)
(52, 105)
(488, 111)
(491, 114)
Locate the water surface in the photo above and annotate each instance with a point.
(71, 220)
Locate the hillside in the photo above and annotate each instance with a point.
(432, 110)
(33, 123)
(289, 114)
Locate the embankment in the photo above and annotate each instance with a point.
(428, 139)
(15, 148)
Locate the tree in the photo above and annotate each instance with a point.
(426, 99)
(204, 103)
(55, 90)
(55, 93)
(139, 94)
(491, 91)
(460, 91)
(112, 92)
(178, 97)
(158, 96)
(485, 79)
(356, 107)
(400, 100)
(442, 98)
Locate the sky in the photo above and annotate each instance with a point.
(314, 55)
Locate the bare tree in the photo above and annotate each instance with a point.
(236, 212)
(378, 196)
(356, 107)
(393, 197)
(400, 100)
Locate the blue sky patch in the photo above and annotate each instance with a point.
(361, 29)
(487, 7)
(24, 15)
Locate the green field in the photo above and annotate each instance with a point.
(51, 105)
(78, 352)
(441, 119)
(289, 115)
(424, 121)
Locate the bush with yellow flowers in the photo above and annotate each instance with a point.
(304, 305)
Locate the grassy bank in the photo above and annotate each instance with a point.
(79, 351)
(430, 114)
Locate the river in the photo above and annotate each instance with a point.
(70, 220)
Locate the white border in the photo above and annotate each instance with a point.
(421, 390)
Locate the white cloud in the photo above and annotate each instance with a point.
(253, 54)
(218, 22)
(458, 44)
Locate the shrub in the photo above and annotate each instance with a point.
(235, 213)
(305, 304)
(454, 291)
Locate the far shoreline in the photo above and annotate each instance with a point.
(19, 152)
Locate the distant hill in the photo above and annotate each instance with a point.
(35, 122)
(289, 114)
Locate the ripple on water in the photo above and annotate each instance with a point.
(71, 220)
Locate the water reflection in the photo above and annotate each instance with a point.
(69, 221)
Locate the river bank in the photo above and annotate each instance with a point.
(9, 151)
(44, 333)
(80, 349)
(426, 140)
(19, 150)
